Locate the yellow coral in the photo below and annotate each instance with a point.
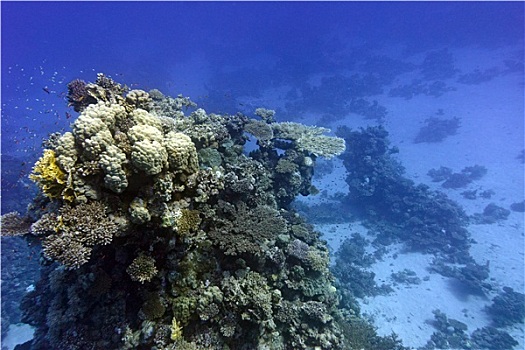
(188, 221)
(53, 181)
(176, 330)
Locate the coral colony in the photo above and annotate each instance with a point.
(159, 232)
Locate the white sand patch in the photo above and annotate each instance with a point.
(17, 334)
(335, 234)
(408, 311)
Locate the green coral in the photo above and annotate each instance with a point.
(153, 306)
(142, 269)
(210, 157)
(138, 211)
(250, 297)
(188, 221)
(286, 166)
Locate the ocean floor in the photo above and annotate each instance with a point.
(490, 135)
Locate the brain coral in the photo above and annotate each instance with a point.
(117, 140)
(147, 152)
(182, 154)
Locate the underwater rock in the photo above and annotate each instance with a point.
(507, 308)
(491, 214)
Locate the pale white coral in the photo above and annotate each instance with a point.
(93, 127)
(66, 151)
(149, 156)
(111, 162)
(147, 151)
(138, 99)
(138, 211)
(144, 132)
(182, 154)
(97, 144)
(322, 145)
(86, 126)
(143, 117)
(94, 116)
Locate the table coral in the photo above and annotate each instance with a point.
(310, 138)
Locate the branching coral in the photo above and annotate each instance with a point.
(142, 269)
(71, 235)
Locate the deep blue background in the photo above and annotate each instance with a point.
(144, 40)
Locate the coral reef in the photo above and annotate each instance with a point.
(438, 64)
(400, 210)
(406, 277)
(491, 214)
(473, 276)
(340, 95)
(350, 268)
(457, 180)
(477, 76)
(418, 87)
(507, 308)
(518, 206)
(436, 129)
(173, 237)
(452, 334)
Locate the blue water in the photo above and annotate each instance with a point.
(237, 56)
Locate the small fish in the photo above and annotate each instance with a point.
(46, 89)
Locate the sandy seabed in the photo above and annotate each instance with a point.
(491, 135)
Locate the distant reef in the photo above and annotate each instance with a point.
(394, 205)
